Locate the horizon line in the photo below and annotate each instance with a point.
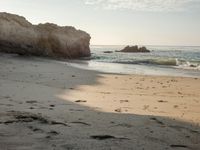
(143, 45)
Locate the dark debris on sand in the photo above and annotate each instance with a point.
(25, 117)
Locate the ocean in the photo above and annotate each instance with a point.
(162, 60)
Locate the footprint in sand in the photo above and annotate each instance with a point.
(52, 132)
(76, 110)
(124, 101)
(7, 97)
(178, 146)
(123, 125)
(31, 101)
(34, 129)
(175, 106)
(180, 93)
(145, 107)
(162, 101)
(105, 92)
(81, 122)
(105, 137)
(157, 121)
(118, 110)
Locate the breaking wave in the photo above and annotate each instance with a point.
(161, 61)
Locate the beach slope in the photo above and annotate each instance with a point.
(45, 104)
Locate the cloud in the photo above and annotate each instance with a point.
(145, 5)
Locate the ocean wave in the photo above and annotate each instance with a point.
(161, 61)
(166, 62)
(188, 64)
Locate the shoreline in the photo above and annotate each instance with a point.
(90, 65)
(49, 105)
(134, 69)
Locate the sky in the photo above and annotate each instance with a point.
(118, 22)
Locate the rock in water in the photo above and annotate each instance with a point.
(134, 49)
(17, 35)
(108, 52)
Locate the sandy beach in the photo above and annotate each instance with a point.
(48, 105)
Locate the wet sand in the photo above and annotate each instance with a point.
(48, 105)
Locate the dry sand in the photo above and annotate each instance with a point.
(48, 105)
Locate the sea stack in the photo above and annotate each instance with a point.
(19, 36)
(134, 49)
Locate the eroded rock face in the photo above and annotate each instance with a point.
(134, 49)
(17, 35)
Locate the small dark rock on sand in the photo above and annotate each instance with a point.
(80, 101)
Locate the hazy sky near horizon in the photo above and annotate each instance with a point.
(118, 22)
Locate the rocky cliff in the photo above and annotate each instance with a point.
(17, 35)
